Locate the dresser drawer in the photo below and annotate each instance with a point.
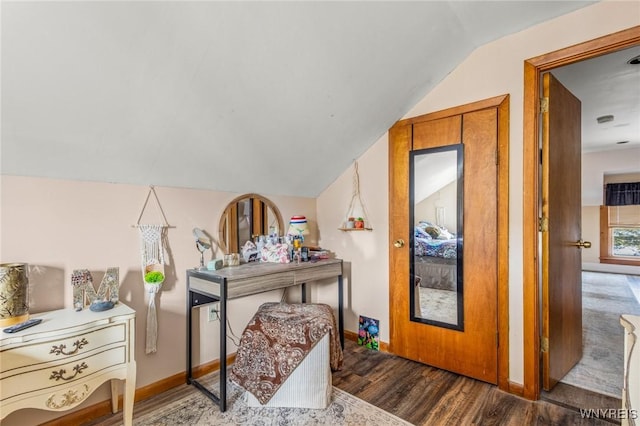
(318, 273)
(62, 373)
(60, 348)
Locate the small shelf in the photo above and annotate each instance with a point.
(355, 229)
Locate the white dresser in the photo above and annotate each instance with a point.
(631, 384)
(58, 363)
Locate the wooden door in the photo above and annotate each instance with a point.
(259, 223)
(561, 231)
(472, 351)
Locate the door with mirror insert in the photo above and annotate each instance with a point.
(444, 268)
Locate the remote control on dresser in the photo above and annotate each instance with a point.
(21, 326)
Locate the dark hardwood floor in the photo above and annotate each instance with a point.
(424, 395)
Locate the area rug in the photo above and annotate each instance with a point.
(196, 409)
(439, 305)
(604, 298)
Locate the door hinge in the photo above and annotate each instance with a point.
(497, 339)
(544, 105)
(544, 344)
(543, 224)
(497, 158)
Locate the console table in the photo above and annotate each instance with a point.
(58, 363)
(205, 287)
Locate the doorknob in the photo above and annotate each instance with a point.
(580, 243)
(399, 243)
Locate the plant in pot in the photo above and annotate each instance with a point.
(359, 223)
(153, 277)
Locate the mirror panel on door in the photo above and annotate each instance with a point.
(436, 279)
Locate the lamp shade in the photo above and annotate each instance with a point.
(298, 226)
(14, 293)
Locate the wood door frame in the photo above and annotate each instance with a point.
(533, 69)
(502, 104)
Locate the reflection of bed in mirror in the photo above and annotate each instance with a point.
(435, 253)
(435, 269)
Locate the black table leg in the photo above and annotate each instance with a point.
(223, 348)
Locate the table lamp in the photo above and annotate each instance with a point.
(298, 228)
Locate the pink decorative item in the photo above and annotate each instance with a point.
(275, 253)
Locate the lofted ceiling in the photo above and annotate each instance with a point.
(267, 97)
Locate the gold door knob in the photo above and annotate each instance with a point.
(399, 243)
(582, 244)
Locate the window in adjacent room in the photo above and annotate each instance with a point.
(620, 224)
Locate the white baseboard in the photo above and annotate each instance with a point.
(611, 268)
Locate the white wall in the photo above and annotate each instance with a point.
(365, 253)
(596, 164)
(591, 233)
(57, 226)
(446, 198)
(491, 70)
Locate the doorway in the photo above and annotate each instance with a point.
(534, 68)
(608, 87)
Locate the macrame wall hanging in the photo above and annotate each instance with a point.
(356, 218)
(152, 248)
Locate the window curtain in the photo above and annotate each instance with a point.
(622, 194)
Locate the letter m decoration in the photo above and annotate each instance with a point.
(84, 294)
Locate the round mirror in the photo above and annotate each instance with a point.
(246, 217)
(202, 241)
